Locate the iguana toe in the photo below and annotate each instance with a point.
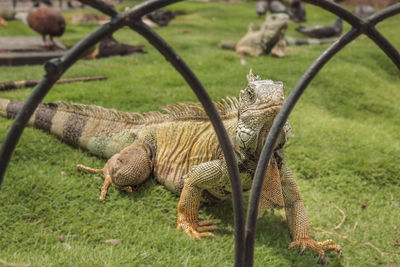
(207, 228)
(197, 229)
(204, 223)
(319, 247)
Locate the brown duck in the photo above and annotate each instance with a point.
(47, 21)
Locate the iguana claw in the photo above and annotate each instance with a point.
(197, 229)
(319, 247)
(322, 260)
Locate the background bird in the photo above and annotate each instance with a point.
(323, 31)
(162, 16)
(277, 7)
(261, 7)
(3, 22)
(297, 11)
(47, 21)
(111, 47)
(364, 11)
(36, 3)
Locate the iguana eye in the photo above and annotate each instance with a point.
(251, 96)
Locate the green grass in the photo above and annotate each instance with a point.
(346, 150)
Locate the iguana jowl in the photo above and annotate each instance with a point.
(181, 150)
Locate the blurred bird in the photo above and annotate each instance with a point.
(261, 7)
(3, 22)
(36, 3)
(323, 31)
(162, 16)
(297, 11)
(47, 21)
(277, 7)
(364, 11)
(111, 47)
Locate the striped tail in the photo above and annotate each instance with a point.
(308, 41)
(41, 119)
(103, 132)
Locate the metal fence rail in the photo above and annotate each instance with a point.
(244, 234)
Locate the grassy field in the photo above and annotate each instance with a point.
(345, 152)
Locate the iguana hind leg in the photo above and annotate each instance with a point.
(131, 166)
(204, 176)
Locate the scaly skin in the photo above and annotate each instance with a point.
(181, 150)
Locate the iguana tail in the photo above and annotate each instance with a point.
(231, 45)
(103, 132)
(228, 44)
(308, 41)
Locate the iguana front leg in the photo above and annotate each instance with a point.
(297, 218)
(271, 193)
(203, 176)
(129, 167)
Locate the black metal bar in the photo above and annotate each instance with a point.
(378, 38)
(385, 45)
(146, 7)
(361, 26)
(384, 13)
(216, 121)
(338, 10)
(55, 68)
(101, 6)
(21, 119)
(274, 132)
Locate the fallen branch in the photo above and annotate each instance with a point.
(342, 218)
(332, 233)
(31, 83)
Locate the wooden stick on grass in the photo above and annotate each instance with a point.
(31, 83)
(332, 233)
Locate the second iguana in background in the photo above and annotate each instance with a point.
(180, 148)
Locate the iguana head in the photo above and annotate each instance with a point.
(260, 102)
(274, 29)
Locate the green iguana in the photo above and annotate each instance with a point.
(181, 150)
(269, 37)
(263, 38)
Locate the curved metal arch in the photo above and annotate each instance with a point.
(359, 26)
(56, 67)
(132, 17)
